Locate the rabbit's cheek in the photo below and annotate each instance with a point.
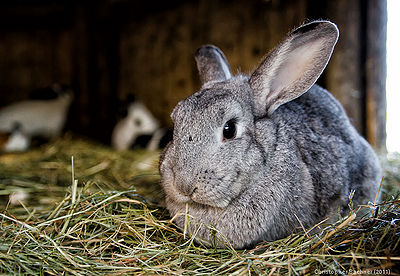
(238, 183)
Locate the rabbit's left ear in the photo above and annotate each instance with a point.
(212, 64)
(293, 66)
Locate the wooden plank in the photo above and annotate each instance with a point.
(376, 73)
(344, 71)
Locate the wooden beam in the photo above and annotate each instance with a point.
(376, 73)
(344, 71)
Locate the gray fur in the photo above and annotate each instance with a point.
(212, 64)
(296, 158)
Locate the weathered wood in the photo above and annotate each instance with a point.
(344, 71)
(108, 49)
(80, 119)
(376, 73)
(35, 47)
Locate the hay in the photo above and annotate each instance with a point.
(112, 221)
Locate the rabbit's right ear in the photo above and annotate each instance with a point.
(212, 64)
(293, 66)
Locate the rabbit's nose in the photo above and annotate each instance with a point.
(186, 188)
(184, 185)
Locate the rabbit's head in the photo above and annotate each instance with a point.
(213, 136)
(215, 153)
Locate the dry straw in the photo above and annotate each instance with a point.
(103, 214)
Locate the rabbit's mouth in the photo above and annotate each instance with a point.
(198, 196)
(217, 191)
(220, 203)
(219, 195)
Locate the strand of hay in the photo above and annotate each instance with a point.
(108, 219)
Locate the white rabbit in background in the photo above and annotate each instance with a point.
(138, 122)
(37, 118)
(17, 140)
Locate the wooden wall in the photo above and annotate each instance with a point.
(108, 49)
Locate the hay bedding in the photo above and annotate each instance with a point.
(111, 220)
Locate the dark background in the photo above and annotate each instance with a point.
(108, 49)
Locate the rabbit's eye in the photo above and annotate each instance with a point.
(229, 131)
(138, 123)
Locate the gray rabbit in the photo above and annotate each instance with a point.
(253, 156)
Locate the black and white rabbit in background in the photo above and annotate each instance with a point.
(43, 116)
(253, 156)
(139, 128)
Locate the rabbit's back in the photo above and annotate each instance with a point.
(338, 159)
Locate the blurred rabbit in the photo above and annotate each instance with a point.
(16, 140)
(139, 127)
(42, 118)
